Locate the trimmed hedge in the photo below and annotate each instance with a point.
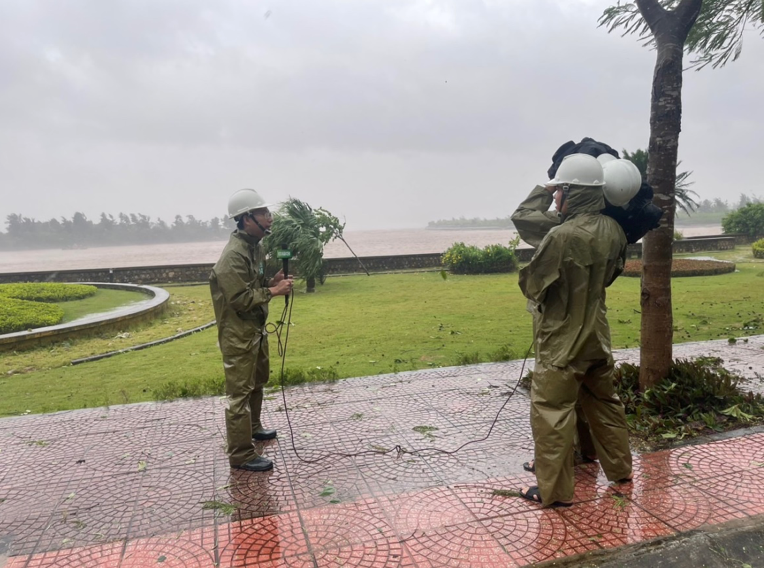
(20, 315)
(469, 259)
(47, 292)
(758, 249)
(685, 267)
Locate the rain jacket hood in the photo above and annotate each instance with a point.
(566, 280)
(582, 200)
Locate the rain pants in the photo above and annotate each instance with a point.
(565, 286)
(240, 298)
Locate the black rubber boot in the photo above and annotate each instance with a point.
(262, 434)
(258, 464)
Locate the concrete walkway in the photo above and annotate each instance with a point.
(149, 484)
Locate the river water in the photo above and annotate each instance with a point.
(364, 243)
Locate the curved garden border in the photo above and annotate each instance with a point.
(683, 267)
(114, 319)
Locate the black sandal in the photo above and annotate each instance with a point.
(533, 494)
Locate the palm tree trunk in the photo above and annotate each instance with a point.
(670, 29)
(311, 284)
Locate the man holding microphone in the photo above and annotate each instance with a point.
(240, 295)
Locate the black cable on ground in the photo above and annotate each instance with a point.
(286, 319)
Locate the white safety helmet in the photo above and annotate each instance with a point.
(578, 169)
(245, 200)
(622, 181)
(605, 158)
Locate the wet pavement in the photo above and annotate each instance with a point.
(149, 484)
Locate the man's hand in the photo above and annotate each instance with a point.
(282, 287)
(277, 278)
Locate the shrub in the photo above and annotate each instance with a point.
(47, 292)
(758, 249)
(696, 396)
(469, 259)
(748, 220)
(678, 236)
(20, 315)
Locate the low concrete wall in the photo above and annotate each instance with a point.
(108, 321)
(392, 263)
(705, 244)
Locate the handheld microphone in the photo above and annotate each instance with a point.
(284, 254)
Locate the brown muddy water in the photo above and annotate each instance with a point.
(364, 243)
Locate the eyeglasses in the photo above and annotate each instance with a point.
(262, 213)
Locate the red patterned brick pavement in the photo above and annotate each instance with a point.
(127, 486)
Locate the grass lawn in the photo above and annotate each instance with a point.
(189, 307)
(102, 301)
(363, 325)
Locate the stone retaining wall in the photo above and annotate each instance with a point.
(393, 263)
(114, 320)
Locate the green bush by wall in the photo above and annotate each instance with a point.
(469, 259)
(758, 249)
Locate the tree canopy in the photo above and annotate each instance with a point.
(304, 231)
(715, 39)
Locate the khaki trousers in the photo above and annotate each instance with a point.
(245, 376)
(554, 393)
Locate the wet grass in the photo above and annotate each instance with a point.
(103, 300)
(189, 307)
(359, 325)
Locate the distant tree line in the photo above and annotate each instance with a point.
(126, 229)
(704, 211)
(474, 223)
(708, 211)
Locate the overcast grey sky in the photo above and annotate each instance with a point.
(390, 113)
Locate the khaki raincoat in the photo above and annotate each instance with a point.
(565, 286)
(532, 219)
(240, 298)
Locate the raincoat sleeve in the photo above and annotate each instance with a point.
(619, 267)
(240, 294)
(544, 269)
(532, 219)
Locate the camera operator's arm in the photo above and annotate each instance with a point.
(544, 270)
(532, 219)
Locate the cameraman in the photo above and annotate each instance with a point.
(565, 284)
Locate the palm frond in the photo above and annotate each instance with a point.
(715, 39)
